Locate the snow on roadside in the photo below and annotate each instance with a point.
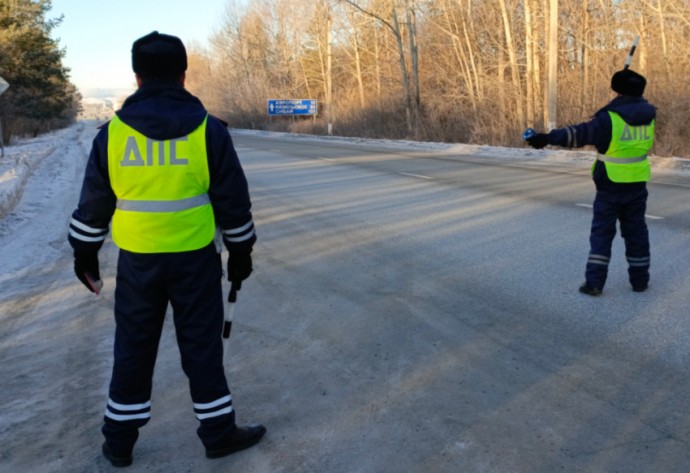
(15, 168)
(21, 160)
(26, 155)
(579, 158)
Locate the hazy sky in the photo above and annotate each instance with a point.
(98, 34)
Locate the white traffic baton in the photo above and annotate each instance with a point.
(229, 314)
(632, 51)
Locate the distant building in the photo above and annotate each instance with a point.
(97, 109)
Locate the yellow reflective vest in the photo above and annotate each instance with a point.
(161, 189)
(626, 157)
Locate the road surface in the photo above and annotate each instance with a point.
(410, 311)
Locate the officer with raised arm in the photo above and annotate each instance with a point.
(623, 134)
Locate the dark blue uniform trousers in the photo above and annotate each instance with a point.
(146, 283)
(629, 209)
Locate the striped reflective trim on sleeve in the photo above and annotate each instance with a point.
(240, 234)
(216, 408)
(80, 231)
(125, 412)
(572, 137)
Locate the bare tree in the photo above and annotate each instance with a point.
(456, 69)
(411, 102)
(514, 67)
(552, 92)
(356, 56)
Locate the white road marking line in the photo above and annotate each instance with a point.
(652, 217)
(415, 175)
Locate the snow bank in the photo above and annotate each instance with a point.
(23, 157)
(16, 167)
(581, 158)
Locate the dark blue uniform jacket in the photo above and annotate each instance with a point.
(163, 110)
(597, 132)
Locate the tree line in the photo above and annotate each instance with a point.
(470, 71)
(40, 97)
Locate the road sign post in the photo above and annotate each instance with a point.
(3, 87)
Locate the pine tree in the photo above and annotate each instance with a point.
(40, 97)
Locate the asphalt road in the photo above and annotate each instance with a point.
(409, 311)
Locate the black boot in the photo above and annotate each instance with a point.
(590, 290)
(241, 438)
(117, 458)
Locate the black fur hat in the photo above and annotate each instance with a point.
(159, 55)
(628, 82)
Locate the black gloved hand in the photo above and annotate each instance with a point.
(538, 141)
(86, 262)
(239, 267)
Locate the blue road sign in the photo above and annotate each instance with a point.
(292, 107)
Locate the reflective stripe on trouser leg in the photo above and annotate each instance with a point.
(197, 300)
(640, 263)
(216, 421)
(598, 259)
(597, 270)
(638, 270)
(121, 424)
(128, 412)
(634, 232)
(140, 305)
(604, 217)
(217, 408)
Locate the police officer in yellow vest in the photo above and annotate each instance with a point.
(623, 134)
(165, 174)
